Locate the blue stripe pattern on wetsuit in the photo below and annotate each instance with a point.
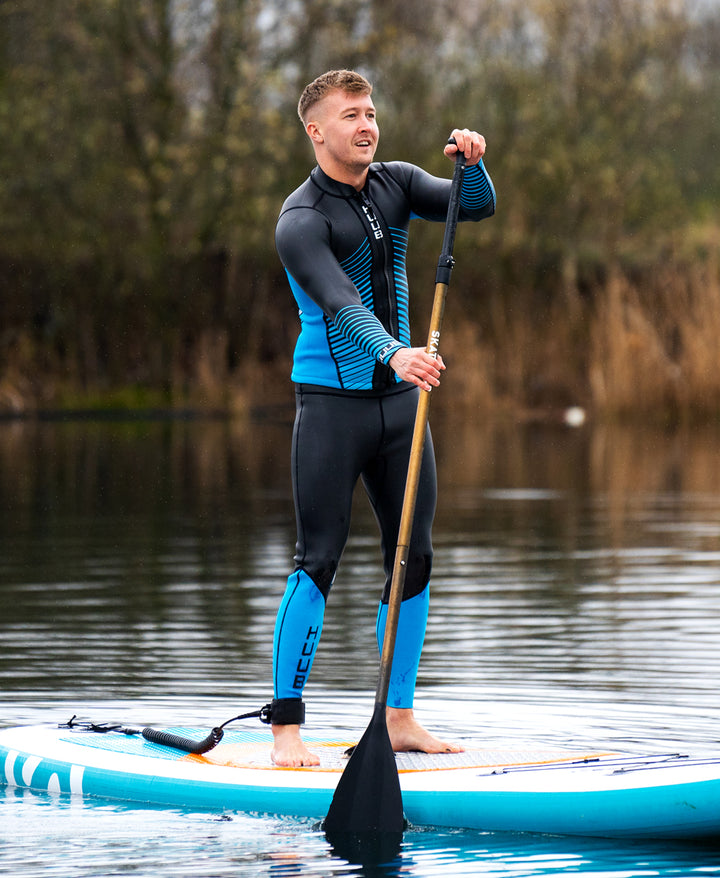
(365, 331)
(355, 364)
(402, 293)
(477, 188)
(356, 337)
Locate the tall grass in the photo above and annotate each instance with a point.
(636, 347)
(654, 349)
(641, 345)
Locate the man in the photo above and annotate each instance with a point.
(342, 237)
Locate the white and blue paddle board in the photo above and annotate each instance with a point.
(567, 792)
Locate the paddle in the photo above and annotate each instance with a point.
(368, 800)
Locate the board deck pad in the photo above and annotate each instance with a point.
(243, 749)
(333, 757)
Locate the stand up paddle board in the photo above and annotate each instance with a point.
(566, 792)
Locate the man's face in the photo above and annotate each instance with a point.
(344, 126)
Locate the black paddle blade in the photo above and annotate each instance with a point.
(374, 851)
(368, 797)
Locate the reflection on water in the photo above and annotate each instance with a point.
(149, 557)
(575, 598)
(172, 843)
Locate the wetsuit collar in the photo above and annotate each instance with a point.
(333, 187)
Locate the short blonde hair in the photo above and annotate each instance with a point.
(342, 80)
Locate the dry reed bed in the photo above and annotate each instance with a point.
(643, 350)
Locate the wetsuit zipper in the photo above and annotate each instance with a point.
(385, 311)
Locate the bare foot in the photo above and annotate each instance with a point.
(290, 750)
(406, 733)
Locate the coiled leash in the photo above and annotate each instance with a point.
(281, 711)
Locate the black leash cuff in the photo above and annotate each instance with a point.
(285, 712)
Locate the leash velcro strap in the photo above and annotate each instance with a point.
(284, 712)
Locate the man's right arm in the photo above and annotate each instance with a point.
(302, 238)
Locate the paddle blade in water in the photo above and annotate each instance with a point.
(368, 796)
(368, 849)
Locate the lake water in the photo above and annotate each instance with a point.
(575, 600)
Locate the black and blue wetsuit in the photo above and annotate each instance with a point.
(344, 252)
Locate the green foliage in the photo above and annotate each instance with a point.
(148, 145)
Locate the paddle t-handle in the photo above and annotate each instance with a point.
(446, 260)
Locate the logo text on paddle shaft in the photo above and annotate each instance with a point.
(305, 660)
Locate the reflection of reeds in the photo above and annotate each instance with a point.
(619, 468)
(132, 465)
(222, 480)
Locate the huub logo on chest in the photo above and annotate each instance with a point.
(371, 218)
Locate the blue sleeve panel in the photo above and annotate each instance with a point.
(408, 646)
(297, 634)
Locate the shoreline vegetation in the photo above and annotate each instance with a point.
(148, 148)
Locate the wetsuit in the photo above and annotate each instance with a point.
(344, 254)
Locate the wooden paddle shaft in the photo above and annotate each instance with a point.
(408, 508)
(442, 280)
(368, 800)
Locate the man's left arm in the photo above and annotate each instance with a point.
(428, 195)
(477, 201)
